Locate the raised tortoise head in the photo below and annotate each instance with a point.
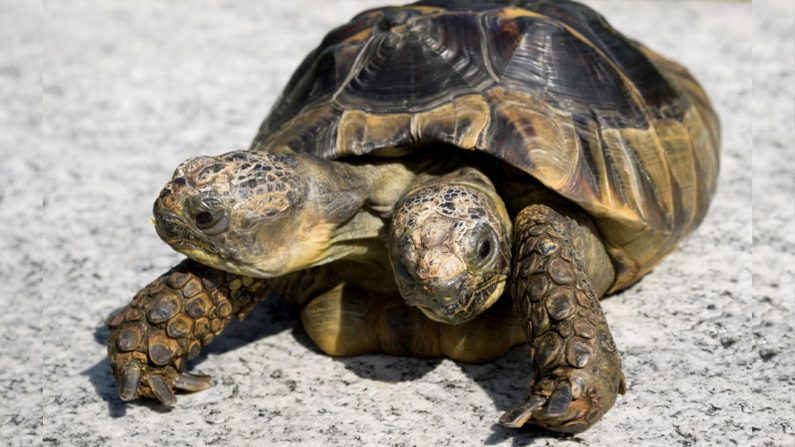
(258, 214)
(450, 246)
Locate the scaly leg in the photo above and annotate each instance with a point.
(169, 321)
(577, 369)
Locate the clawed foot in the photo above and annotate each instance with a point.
(165, 325)
(569, 404)
(577, 368)
(137, 380)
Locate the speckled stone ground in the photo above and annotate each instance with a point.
(133, 88)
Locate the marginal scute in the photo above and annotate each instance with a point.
(527, 132)
(460, 122)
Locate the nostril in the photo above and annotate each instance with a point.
(165, 192)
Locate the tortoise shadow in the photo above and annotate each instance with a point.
(505, 380)
(389, 368)
(268, 318)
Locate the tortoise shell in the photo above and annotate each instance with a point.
(548, 87)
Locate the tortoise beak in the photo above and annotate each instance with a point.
(170, 222)
(441, 301)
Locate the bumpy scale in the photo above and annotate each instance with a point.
(577, 369)
(168, 322)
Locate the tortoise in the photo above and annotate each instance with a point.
(562, 160)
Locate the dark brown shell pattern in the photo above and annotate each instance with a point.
(548, 87)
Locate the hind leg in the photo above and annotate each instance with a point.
(346, 321)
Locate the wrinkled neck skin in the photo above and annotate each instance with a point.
(343, 215)
(267, 214)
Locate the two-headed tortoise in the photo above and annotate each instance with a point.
(524, 143)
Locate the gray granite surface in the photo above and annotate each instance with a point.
(133, 88)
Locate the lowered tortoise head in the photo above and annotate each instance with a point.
(450, 246)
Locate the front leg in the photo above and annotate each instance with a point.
(169, 321)
(577, 369)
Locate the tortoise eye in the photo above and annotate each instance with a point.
(207, 213)
(485, 250)
(211, 222)
(204, 219)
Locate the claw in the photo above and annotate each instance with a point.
(131, 377)
(517, 416)
(559, 401)
(161, 391)
(192, 382)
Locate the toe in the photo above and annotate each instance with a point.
(131, 378)
(162, 391)
(192, 382)
(519, 415)
(559, 401)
